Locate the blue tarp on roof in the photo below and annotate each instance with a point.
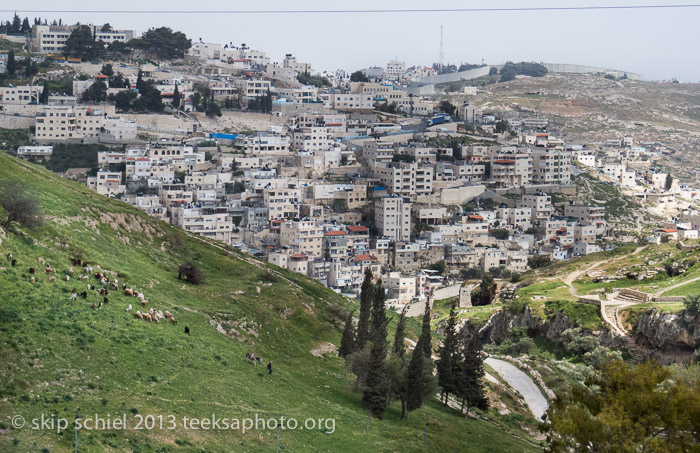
(223, 136)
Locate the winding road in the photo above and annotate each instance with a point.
(523, 383)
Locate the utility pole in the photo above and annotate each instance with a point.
(426, 437)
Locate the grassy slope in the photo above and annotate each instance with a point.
(62, 358)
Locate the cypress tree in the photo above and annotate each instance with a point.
(44, 99)
(399, 335)
(416, 379)
(448, 354)
(468, 384)
(366, 296)
(176, 97)
(425, 332)
(139, 81)
(347, 341)
(375, 398)
(11, 63)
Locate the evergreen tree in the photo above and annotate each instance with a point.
(366, 297)
(425, 332)
(25, 26)
(468, 384)
(375, 397)
(11, 63)
(669, 181)
(399, 335)
(448, 355)
(139, 80)
(347, 341)
(16, 26)
(44, 98)
(177, 98)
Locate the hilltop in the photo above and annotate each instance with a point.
(64, 359)
(589, 108)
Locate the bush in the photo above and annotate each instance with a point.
(538, 261)
(20, 206)
(191, 273)
(692, 304)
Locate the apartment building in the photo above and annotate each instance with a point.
(408, 179)
(20, 95)
(52, 38)
(252, 88)
(393, 217)
(119, 130)
(399, 287)
(282, 202)
(107, 183)
(68, 123)
(588, 215)
(313, 139)
(540, 206)
(551, 166)
(262, 144)
(520, 217)
(210, 222)
(395, 70)
(302, 236)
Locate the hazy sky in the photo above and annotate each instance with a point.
(657, 43)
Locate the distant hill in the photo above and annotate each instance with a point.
(61, 358)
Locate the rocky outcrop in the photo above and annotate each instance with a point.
(668, 331)
(498, 327)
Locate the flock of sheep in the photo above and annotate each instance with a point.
(106, 285)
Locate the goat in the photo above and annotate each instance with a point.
(147, 317)
(73, 296)
(187, 330)
(106, 301)
(50, 270)
(141, 296)
(10, 256)
(93, 305)
(168, 314)
(83, 294)
(128, 309)
(143, 303)
(75, 290)
(70, 269)
(32, 280)
(128, 292)
(31, 270)
(67, 278)
(173, 320)
(13, 262)
(42, 261)
(52, 279)
(85, 278)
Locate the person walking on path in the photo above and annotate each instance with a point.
(269, 367)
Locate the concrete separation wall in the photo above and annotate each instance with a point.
(668, 299)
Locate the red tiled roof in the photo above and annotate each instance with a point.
(358, 228)
(475, 217)
(335, 233)
(504, 161)
(298, 255)
(669, 230)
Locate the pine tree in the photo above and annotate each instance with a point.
(425, 332)
(416, 387)
(25, 26)
(11, 63)
(468, 385)
(448, 355)
(366, 297)
(400, 333)
(375, 398)
(176, 97)
(16, 25)
(347, 341)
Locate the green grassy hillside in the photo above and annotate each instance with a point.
(61, 358)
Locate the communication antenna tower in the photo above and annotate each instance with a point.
(441, 58)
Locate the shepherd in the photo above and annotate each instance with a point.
(269, 367)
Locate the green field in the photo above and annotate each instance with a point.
(62, 359)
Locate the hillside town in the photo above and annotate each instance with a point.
(329, 174)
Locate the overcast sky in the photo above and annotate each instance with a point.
(656, 43)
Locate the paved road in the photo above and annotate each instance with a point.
(523, 384)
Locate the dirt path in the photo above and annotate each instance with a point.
(677, 285)
(523, 383)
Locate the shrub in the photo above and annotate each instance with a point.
(191, 273)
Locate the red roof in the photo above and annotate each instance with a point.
(298, 255)
(365, 257)
(101, 76)
(358, 229)
(504, 161)
(669, 230)
(335, 233)
(475, 217)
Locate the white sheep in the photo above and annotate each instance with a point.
(67, 278)
(73, 296)
(128, 309)
(141, 296)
